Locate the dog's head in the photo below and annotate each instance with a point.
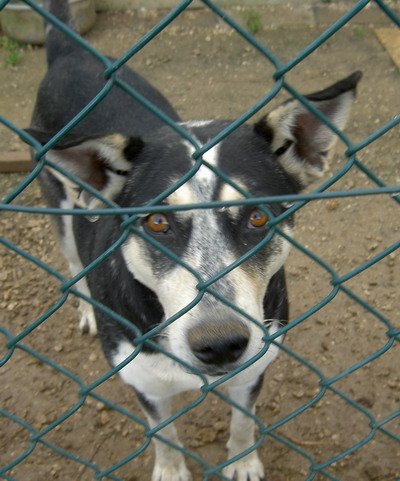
(278, 155)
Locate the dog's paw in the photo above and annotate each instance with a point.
(248, 468)
(171, 472)
(87, 323)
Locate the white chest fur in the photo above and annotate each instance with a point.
(155, 374)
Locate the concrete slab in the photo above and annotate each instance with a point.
(273, 12)
(371, 14)
(134, 4)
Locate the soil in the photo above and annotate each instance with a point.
(208, 71)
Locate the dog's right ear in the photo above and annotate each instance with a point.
(102, 162)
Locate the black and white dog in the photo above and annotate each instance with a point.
(130, 157)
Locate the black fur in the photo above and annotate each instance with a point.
(345, 85)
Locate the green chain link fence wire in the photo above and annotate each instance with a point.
(130, 215)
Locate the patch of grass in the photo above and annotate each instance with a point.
(253, 21)
(12, 51)
(360, 31)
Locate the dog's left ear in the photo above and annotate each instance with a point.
(299, 139)
(103, 162)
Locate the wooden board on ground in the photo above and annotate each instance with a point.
(19, 161)
(390, 39)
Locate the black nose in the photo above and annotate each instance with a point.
(219, 344)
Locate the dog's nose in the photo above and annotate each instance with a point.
(219, 343)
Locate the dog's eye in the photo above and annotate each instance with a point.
(257, 219)
(157, 223)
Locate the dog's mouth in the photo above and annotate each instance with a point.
(213, 373)
(207, 371)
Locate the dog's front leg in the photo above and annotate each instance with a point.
(169, 462)
(242, 429)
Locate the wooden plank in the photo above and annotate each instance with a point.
(390, 39)
(19, 161)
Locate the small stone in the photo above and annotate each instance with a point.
(325, 346)
(43, 420)
(373, 472)
(367, 400)
(332, 204)
(104, 418)
(3, 276)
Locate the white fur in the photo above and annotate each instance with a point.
(138, 262)
(196, 123)
(204, 174)
(229, 193)
(159, 376)
(183, 195)
(242, 431)
(169, 463)
(68, 244)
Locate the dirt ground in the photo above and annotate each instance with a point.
(208, 71)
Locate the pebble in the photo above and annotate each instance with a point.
(93, 357)
(104, 418)
(3, 276)
(367, 399)
(332, 204)
(373, 472)
(325, 346)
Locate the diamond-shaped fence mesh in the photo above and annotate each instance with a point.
(14, 341)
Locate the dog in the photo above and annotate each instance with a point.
(131, 157)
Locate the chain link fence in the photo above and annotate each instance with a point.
(12, 341)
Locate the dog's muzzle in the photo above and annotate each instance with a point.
(218, 345)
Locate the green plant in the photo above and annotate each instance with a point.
(360, 31)
(253, 21)
(12, 51)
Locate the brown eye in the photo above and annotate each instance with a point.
(157, 223)
(257, 219)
